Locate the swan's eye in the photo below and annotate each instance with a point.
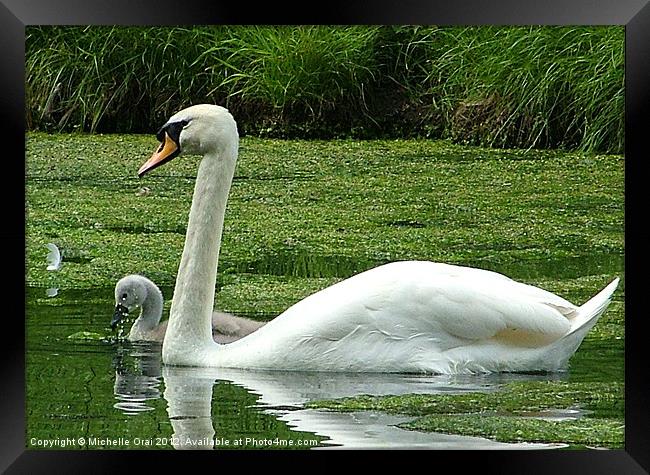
(124, 296)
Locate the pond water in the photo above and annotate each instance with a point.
(116, 395)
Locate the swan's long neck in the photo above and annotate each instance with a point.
(190, 328)
(151, 312)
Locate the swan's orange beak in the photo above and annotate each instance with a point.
(168, 149)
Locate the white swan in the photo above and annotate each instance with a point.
(135, 292)
(400, 317)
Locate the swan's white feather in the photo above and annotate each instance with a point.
(53, 257)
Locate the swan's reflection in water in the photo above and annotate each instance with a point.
(188, 393)
(137, 377)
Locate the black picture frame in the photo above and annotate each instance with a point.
(16, 14)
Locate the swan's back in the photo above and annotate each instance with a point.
(412, 316)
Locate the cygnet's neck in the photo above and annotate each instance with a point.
(189, 331)
(150, 314)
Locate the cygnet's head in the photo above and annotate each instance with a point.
(130, 293)
(199, 130)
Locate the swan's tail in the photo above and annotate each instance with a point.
(589, 312)
(587, 316)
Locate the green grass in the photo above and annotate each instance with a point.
(525, 86)
(541, 87)
(307, 66)
(371, 201)
(128, 78)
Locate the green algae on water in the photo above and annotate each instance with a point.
(322, 203)
(514, 413)
(607, 433)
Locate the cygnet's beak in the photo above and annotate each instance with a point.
(168, 149)
(120, 312)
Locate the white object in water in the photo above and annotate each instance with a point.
(53, 257)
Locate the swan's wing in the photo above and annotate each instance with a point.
(476, 309)
(449, 304)
(53, 257)
(402, 316)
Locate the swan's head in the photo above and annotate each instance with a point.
(130, 293)
(197, 130)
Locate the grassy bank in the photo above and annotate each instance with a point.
(542, 87)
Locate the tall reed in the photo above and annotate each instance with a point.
(522, 86)
(494, 86)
